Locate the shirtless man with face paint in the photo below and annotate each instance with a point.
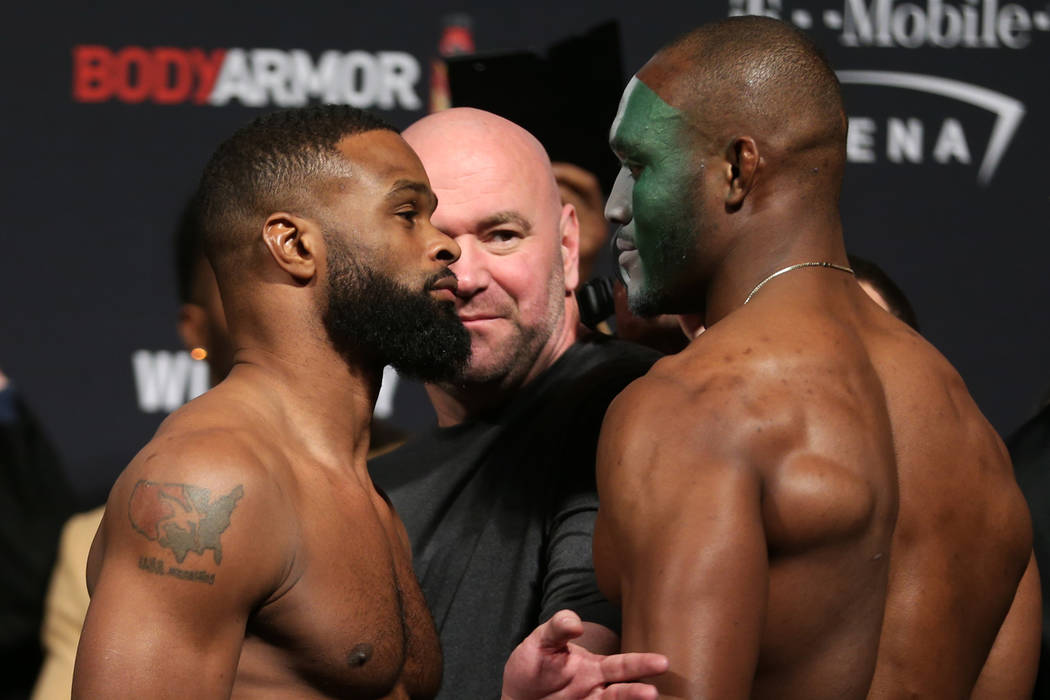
(805, 502)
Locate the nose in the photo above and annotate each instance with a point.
(618, 208)
(442, 247)
(471, 269)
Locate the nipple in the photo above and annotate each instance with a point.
(359, 655)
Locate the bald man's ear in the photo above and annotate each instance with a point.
(293, 243)
(569, 227)
(741, 166)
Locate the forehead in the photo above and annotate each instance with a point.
(377, 159)
(474, 183)
(644, 119)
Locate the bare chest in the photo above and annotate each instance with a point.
(352, 620)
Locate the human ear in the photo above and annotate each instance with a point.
(193, 326)
(569, 226)
(293, 243)
(741, 170)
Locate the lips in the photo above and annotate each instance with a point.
(622, 241)
(447, 282)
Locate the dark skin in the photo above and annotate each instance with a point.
(313, 595)
(805, 502)
(299, 583)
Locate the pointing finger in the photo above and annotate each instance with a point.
(633, 666)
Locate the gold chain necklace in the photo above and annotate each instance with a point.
(789, 268)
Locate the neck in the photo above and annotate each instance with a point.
(766, 248)
(456, 402)
(324, 401)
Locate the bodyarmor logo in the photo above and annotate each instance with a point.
(253, 77)
(904, 140)
(886, 23)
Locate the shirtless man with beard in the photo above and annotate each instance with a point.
(244, 552)
(805, 502)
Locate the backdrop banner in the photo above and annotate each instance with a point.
(111, 112)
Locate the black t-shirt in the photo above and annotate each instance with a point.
(1030, 452)
(500, 511)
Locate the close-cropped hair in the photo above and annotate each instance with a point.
(760, 71)
(271, 164)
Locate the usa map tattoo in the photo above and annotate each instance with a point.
(182, 518)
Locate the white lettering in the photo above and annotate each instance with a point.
(860, 140)
(904, 140)
(861, 23)
(951, 143)
(1014, 23)
(946, 24)
(971, 22)
(767, 8)
(273, 76)
(905, 16)
(200, 379)
(988, 20)
(359, 74)
(259, 77)
(400, 71)
(974, 23)
(236, 81)
(162, 378)
(321, 82)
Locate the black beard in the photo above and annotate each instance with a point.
(373, 318)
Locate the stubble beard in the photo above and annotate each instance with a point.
(518, 354)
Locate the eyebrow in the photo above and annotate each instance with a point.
(505, 217)
(413, 185)
(421, 188)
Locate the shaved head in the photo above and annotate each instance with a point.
(497, 197)
(756, 76)
(455, 142)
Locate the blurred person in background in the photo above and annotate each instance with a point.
(35, 499)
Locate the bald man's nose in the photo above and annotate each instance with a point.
(618, 208)
(471, 269)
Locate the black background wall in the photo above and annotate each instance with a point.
(946, 187)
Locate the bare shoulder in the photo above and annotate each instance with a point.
(713, 403)
(197, 502)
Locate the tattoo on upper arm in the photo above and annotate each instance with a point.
(182, 518)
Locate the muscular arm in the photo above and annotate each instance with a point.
(680, 535)
(187, 548)
(1013, 661)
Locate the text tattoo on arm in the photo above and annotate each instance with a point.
(183, 519)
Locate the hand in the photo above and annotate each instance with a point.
(547, 665)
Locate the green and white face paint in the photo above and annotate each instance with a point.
(654, 198)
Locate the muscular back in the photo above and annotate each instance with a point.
(963, 537)
(817, 495)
